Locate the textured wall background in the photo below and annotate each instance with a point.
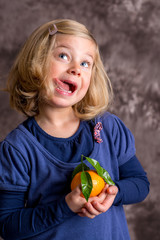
(128, 32)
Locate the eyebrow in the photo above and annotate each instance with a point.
(70, 47)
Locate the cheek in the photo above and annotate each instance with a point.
(87, 85)
(55, 67)
(87, 82)
(53, 71)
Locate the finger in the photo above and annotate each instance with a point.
(89, 207)
(107, 203)
(113, 190)
(105, 187)
(77, 192)
(81, 215)
(102, 195)
(100, 198)
(85, 213)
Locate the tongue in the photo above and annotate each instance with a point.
(63, 85)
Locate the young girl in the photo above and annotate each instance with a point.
(58, 81)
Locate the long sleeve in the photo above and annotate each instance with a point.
(133, 184)
(17, 222)
(18, 176)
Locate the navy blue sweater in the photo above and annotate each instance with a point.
(35, 173)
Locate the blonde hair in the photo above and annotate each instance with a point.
(29, 73)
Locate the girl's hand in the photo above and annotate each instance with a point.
(99, 204)
(74, 200)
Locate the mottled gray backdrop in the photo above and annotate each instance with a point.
(128, 32)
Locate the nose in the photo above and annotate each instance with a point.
(75, 70)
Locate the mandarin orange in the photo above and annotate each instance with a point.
(97, 181)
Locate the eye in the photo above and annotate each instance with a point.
(85, 64)
(63, 56)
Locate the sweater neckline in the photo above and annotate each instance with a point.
(57, 162)
(81, 125)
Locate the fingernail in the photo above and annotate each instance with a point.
(110, 191)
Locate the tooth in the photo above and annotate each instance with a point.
(64, 90)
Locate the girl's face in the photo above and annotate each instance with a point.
(70, 70)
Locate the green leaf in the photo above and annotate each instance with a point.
(107, 177)
(101, 171)
(81, 167)
(86, 184)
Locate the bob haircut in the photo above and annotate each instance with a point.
(29, 75)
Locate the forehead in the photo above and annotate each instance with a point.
(76, 43)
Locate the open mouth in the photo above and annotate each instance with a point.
(65, 86)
